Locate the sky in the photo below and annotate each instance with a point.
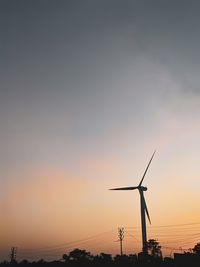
(88, 90)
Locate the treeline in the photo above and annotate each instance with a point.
(81, 258)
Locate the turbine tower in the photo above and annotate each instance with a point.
(143, 206)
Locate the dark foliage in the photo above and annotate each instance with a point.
(83, 258)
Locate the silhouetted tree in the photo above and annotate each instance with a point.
(24, 262)
(196, 249)
(105, 257)
(79, 254)
(102, 259)
(4, 263)
(132, 257)
(121, 259)
(41, 261)
(154, 248)
(65, 257)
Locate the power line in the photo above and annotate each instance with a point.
(182, 241)
(167, 225)
(131, 235)
(47, 248)
(174, 236)
(57, 251)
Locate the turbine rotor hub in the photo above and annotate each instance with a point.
(143, 188)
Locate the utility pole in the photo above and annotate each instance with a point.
(121, 237)
(13, 254)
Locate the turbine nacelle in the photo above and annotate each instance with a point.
(142, 188)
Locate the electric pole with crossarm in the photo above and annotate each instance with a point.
(121, 237)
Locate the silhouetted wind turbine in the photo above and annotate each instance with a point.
(144, 210)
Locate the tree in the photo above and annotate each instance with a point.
(41, 262)
(102, 258)
(132, 257)
(122, 259)
(154, 248)
(24, 262)
(65, 257)
(78, 254)
(106, 257)
(196, 249)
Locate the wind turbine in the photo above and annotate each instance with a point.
(143, 206)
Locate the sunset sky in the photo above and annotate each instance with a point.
(88, 90)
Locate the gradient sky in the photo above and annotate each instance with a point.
(88, 90)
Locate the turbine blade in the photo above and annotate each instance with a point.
(125, 188)
(146, 210)
(146, 169)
